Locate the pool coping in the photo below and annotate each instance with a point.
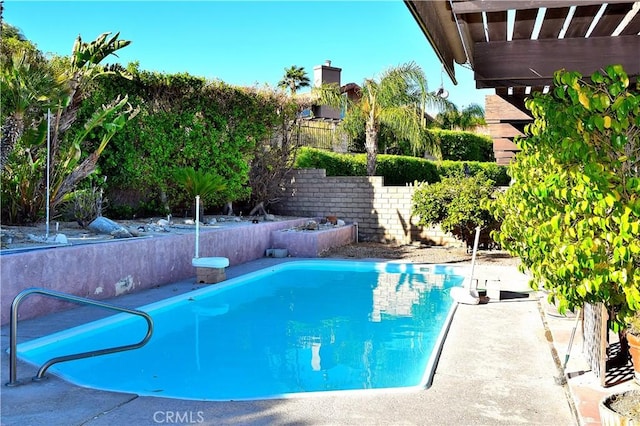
(424, 279)
(462, 392)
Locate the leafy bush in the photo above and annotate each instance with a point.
(573, 212)
(397, 169)
(463, 146)
(335, 164)
(492, 171)
(458, 204)
(184, 122)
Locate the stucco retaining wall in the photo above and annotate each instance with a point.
(104, 270)
(312, 243)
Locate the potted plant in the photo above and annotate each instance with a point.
(621, 408)
(633, 340)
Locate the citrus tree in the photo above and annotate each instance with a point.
(573, 213)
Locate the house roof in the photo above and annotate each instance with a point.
(349, 87)
(515, 46)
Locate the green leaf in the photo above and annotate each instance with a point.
(599, 122)
(596, 77)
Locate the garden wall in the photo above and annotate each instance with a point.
(107, 269)
(383, 213)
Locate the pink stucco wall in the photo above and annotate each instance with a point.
(104, 270)
(312, 243)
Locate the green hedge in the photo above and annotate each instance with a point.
(456, 146)
(464, 146)
(400, 170)
(397, 169)
(493, 171)
(335, 164)
(183, 122)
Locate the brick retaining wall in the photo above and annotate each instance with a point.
(383, 213)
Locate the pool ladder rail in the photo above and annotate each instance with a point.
(13, 360)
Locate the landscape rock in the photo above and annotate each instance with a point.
(311, 225)
(61, 239)
(103, 225)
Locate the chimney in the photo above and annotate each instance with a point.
(326, 74)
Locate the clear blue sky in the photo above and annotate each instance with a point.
(245, 42)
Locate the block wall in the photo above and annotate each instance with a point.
(383, 213)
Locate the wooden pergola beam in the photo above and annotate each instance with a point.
(437, 24)
(533, 62)
(477, 6)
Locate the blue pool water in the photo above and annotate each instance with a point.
(299, 327)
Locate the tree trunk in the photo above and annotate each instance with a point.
(258, 209)
(11, 131)
(228, 209)
(371, 146)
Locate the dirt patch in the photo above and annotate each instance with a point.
(420, 253)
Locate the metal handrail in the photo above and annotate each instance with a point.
(13, 360)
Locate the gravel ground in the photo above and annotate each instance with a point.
(420, 253)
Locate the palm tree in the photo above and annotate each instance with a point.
(468, 118)
(27, 87)
(294, 78)
(398, 100)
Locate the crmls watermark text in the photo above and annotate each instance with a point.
(178, 417)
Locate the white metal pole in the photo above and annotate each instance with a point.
(48, 168)
(473, 256)
(197, 225)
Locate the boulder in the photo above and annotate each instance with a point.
(102, 225)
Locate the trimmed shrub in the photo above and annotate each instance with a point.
(493, 171)
(464, 146)
(335, 164)
(400, 170)
(397, 169)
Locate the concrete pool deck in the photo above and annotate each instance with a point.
(498, 365)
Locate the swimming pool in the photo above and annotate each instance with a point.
(297, 328)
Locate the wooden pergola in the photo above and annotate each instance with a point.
(501, 42)
(515, 46)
